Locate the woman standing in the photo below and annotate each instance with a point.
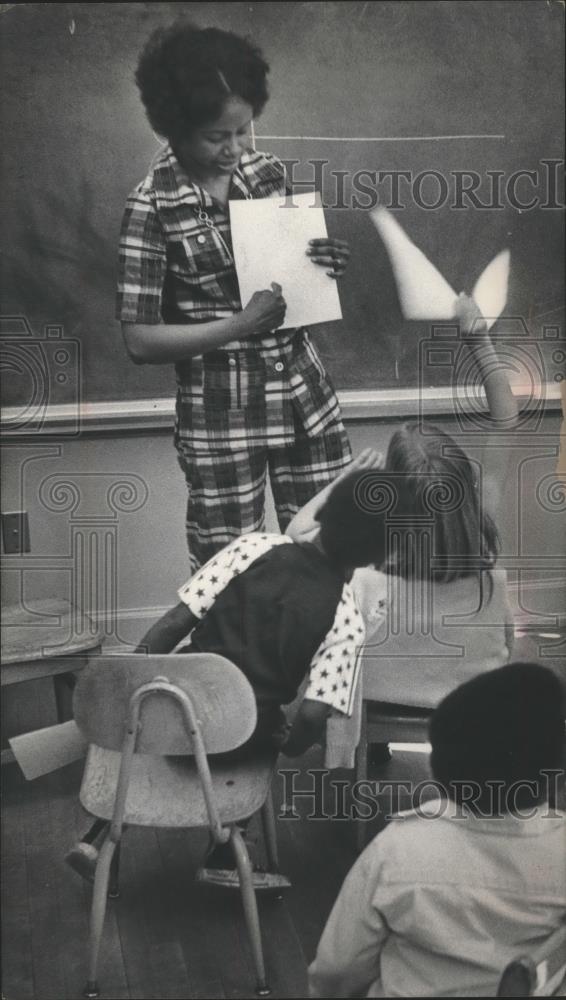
(250, 398)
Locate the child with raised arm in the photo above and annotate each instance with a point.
(451, 892)
(437, 612)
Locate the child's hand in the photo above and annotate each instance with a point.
(330, 252)
(280, 736)
(368, 458)
(469, 316)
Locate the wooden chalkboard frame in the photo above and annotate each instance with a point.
(154, 415)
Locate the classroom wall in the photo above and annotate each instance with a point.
(106, 516)
(106, 510)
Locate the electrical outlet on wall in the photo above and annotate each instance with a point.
(15, 533)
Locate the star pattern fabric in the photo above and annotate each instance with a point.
(336, 664)
(201, 591)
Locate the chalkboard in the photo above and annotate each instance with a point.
(364, 86)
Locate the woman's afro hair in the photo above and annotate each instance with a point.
(185, 74)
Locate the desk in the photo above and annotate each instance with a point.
(47, 638)
(384, 722)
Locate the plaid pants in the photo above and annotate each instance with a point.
(227, 488)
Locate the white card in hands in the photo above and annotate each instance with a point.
(270, 238)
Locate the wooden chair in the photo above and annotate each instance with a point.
(541, 973)
(145, 718)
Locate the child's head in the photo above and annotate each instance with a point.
(438, 500)
(187, 76)
(504, 727)
(352, 525)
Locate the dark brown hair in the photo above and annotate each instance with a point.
(186, 73)
(443, 531)
(503, 727)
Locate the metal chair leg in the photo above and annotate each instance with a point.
(244, 867)
(63, 685)
(97, 914)
(95, 830)
(361, 774)
(114, 886)
(270, 833)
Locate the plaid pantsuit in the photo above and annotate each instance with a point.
(256, 405)
(227, 488)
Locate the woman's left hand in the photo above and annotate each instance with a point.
(330, 253)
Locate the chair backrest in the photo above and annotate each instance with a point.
(539, 973)
(222, 698)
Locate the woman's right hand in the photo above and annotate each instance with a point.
(265, 311)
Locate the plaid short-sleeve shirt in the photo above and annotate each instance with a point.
(176, 268)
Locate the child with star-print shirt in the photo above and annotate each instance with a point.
(279, 610)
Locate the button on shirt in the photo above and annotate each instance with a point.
(279, 610)
(174, 268)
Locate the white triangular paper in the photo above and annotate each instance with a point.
(490, 290)
(423, 292)
(46, 750)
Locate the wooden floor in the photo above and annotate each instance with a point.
(165, 936)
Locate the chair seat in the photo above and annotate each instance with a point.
(166, 791)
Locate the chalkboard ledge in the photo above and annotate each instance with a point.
(156, 414)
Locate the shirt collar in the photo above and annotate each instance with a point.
(170, 178)
(533, 822)
(246, 174)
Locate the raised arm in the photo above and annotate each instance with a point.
(502, 405)
(503, 411)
